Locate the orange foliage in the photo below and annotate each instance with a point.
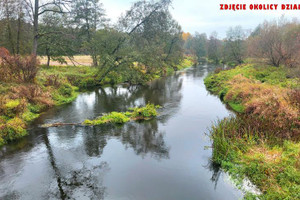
(186, 36)
(17, 68)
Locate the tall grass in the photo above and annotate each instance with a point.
(262, 141)
(268, 102)
(243, 150)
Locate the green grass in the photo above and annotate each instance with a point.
(257, 143)
(82, 77)
(278, 76)
(139, 113)
(273, 167)
(113, 117)
(219, 83)
(237, 107)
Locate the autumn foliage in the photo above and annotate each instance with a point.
(272, 105)
(16, 68)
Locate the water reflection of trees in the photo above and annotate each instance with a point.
(86, 181)
(159, 92)
(143, 138)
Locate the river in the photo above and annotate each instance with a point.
(161, 159)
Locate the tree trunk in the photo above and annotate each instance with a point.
(19, 32)
(48, 60)
(9, 31)
(95, 62)
(48, 56)
(35, 27)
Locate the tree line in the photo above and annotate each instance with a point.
(145, 37)
(145, 40)
(275, 42)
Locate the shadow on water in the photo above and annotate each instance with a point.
(98, 162)
(143, 138)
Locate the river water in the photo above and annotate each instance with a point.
(161, 159)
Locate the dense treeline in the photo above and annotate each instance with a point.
(274, 42)
(145, 39)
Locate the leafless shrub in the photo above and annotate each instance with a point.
(17, 68)
(33, 94)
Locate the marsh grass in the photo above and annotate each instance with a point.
(262, 141)
(261, 92)
(244, 150)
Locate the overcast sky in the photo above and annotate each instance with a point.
(206, 16)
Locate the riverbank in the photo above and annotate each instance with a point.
(20, 104)
(262, 141)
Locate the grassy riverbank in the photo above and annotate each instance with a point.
(262, 141)
(20, 104)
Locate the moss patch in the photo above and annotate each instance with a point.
(142, 113)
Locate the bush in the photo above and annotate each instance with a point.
(146, 112)
(88, 83)
(65, 90)
(14, 107)
(33, 94)
(29, 116)
(17, 68)
(13, 129)
(53, 80)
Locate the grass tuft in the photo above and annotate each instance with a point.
(142, 113)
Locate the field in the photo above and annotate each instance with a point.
(83, 60)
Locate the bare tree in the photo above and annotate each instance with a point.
(276, 42)
(36, 9)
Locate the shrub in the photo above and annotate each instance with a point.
(88, 83)
(65, 90)
(17, 68)
(29, 116)
(14, 107)
(52, 80)
(13, 129)
(146, 112)
(33, 94)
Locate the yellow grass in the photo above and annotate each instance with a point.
(84, 60)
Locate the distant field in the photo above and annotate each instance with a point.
(78, 60)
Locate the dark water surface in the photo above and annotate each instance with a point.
(161, 159)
